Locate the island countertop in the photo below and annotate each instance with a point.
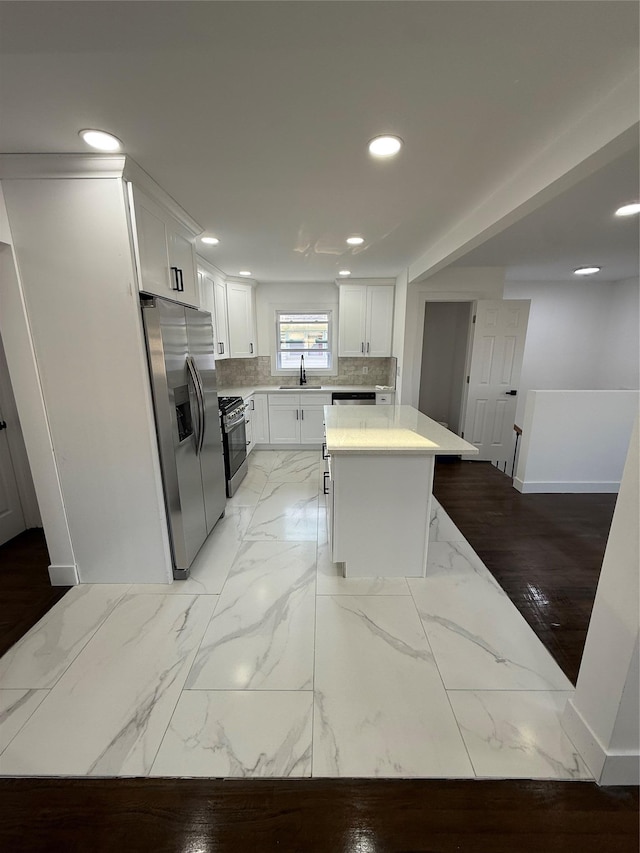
(389, 429)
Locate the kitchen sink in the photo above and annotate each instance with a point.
(300, 387)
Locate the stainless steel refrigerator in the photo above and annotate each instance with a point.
(183, 383)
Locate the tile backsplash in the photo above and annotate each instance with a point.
(234, 372)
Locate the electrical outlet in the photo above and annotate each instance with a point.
(365, 369)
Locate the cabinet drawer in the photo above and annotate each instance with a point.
(308, 399)
(384, 399)
(284, 399)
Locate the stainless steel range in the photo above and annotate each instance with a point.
(234, 441)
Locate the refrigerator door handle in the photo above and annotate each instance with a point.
(203, 408)
(197, 391)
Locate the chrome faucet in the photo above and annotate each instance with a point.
(303, 375)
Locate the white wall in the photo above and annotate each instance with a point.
(455, 284)
(77, 279)
(602, 718)
(270, 297)
(575, 441)
(619, 365)
(25, 378)
(581, 335)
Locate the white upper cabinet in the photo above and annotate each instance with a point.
(365, 320)
(242, 322)
(165, 251)
(221, 324)
(213, 298)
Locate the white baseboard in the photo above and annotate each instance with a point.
(63, 575)
(575, 487)
(608, 768)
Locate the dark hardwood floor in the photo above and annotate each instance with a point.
(316, 816)
(27, 593)
(545, 550)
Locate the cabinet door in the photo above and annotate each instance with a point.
(260, 419)
(352, 320)
(379, 320)
(311, 424)
(284, 425)
(205, 288)
(182, 259)
(151, 242)
(241, 320)
(166, 256)
(220, 324)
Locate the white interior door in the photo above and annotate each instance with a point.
(499, 334)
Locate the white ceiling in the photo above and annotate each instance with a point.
(577, 228)
(255, 115)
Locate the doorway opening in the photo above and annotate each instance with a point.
(445, 349)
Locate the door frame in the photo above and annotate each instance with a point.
(17, 449)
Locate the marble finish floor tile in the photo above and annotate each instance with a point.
(380, 707)
(286, 511)
(331, 581)
(477, 635)
(211, 566)
(262, 460)
(108, 713)
(262, 633)
(517, 734)
(16, 706)
(250, 489)
(238, 733)
(40, 657)
(295, 466)
(441, 528)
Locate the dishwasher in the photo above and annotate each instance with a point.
(353, 398)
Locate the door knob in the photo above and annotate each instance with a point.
(511, 393)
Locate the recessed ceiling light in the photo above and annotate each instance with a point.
(355, 241)
(385, 146)
(100, 139)
(344, 272)
(586, 270)
(244, 272)
(210, 241)
(628, 209)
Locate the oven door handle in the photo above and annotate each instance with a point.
(195, 379)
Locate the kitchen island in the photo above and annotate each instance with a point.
(378, 486)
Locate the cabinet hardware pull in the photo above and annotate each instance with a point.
(368, 347)
(325, 488)
(301, 414)
(253, 407)
(251, 348)
(362, 347)
(181, 288)
(297, 413)
(325, 454)
(174, 270)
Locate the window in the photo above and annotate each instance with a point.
(303, 333)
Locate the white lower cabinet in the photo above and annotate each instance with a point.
(256, 419)
(260, 419)
(297, 418)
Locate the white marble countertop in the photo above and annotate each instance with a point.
(389, 429)
(247, 390)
